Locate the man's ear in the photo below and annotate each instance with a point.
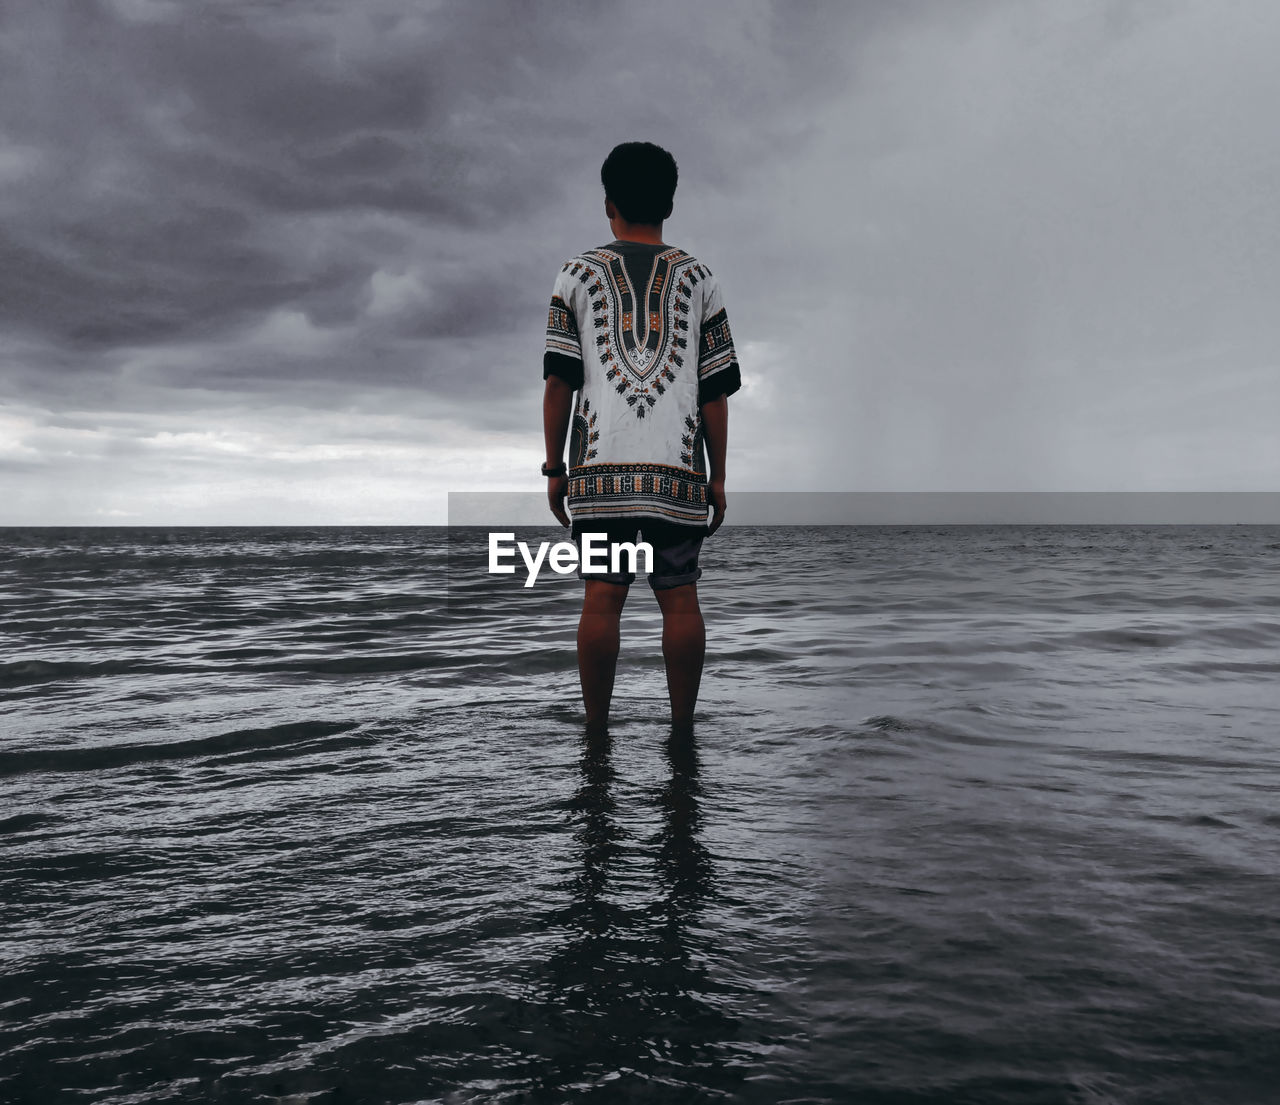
(669, 210)
(610, 211)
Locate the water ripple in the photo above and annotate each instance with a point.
(971, 814)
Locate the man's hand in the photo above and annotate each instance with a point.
(715, 424)
(557, 491)
(557, 406)
(715, 494)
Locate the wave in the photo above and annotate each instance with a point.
(106, 757)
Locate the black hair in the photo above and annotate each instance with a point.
(640, 178)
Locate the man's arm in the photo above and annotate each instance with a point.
(557, 409)
(715, 429)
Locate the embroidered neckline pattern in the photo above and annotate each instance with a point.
(641, 352)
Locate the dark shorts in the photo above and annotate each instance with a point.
(675, 550)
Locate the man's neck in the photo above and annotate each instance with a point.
(648, 233)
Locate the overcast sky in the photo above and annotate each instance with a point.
(288, 260)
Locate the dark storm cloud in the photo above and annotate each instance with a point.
(178, 171)
(159, 150)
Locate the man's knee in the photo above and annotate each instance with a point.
(678, 600)
(602, 597)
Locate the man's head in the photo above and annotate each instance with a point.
(639, 178)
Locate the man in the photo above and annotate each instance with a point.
(638, 330)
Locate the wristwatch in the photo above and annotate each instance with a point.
(558, 470)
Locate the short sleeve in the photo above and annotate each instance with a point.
(718, 372)
(563, 355)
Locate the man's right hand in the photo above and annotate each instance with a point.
(715, 494)
(557, 491)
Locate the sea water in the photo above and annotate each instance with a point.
(969, 815)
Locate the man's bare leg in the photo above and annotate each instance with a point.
(684, 645)
(598, 641)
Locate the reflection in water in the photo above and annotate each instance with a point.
(684, 865)
(633, 1007)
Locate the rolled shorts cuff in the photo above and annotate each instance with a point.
(666, 583)
(622, 579)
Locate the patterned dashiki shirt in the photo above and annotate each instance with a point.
(641, 333)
